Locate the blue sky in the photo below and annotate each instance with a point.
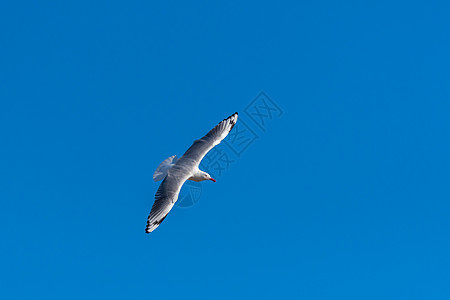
(344, 196)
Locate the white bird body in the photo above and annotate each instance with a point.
(174, 172)
(163, 169)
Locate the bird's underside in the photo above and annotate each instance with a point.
(178, 171)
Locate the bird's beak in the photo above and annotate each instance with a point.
(212, 179)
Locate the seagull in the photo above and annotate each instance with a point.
(174, 172)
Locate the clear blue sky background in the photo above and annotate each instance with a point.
(346, 196)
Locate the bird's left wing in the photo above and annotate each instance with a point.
(165, 197)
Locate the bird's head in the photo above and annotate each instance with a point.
(206, 176)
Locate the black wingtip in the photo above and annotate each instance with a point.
(232, 123)
(231, 116)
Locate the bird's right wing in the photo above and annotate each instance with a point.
(201, 147)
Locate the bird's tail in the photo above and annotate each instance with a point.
(163, 168)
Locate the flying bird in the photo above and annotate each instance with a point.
(174, 172)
